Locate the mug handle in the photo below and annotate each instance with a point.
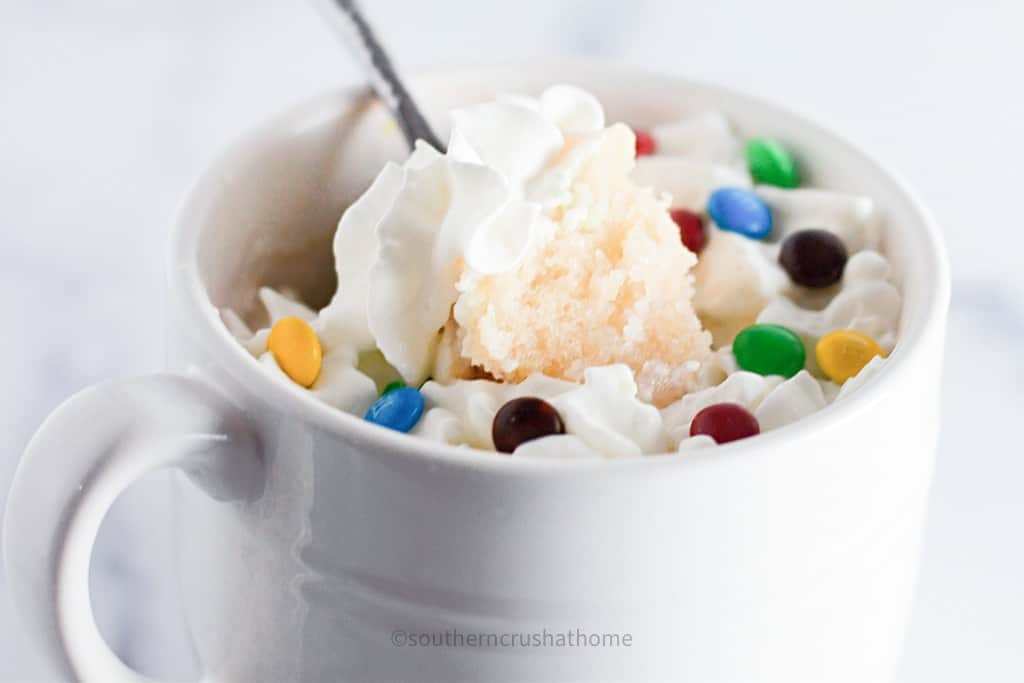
(89, 450)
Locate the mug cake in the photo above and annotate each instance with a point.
(555, 286)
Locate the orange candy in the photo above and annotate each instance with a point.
(296, 349)
(844, 353)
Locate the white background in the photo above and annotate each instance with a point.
(109, 109)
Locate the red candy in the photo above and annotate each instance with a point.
(644, 143)
(691, 228)
(725, 422)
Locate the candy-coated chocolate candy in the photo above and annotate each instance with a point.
(399, 409)
(691, 228)
(740, 210)
(844, 353)
(769, 350)
(645, 145)
(524, 419)
(725, 422)
(397, 384)
(813, 257)
(296, 349)
(771, 164)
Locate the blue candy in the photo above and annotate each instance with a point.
(739, 210)
(399, 409)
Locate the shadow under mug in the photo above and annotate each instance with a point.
(315, 546)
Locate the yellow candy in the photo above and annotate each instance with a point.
(843, 353)
(296, 349)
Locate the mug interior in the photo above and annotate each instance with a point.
(271, 206)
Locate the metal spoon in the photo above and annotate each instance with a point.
(347, 19)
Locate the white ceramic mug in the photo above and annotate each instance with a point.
(315, 546)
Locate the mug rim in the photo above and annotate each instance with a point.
(185, 284)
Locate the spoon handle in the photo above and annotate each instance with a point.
(349, 22)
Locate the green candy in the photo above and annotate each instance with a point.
(769, 350)
(771, 164)
(397, 384)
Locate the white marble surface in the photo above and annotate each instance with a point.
(109, 109)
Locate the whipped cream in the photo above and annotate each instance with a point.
(866, 302)
(853, 218)
(340, 384)
(706, 137)
(603, 414)
(687, 183)
(536, 258)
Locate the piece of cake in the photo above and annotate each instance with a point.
(610, 284)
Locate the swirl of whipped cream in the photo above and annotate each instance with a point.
(853, 218)
(773, 400)
(462, 412)
(745, 388)
(603, 416)
(704, 136)
(687, 181)
(606, 414)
